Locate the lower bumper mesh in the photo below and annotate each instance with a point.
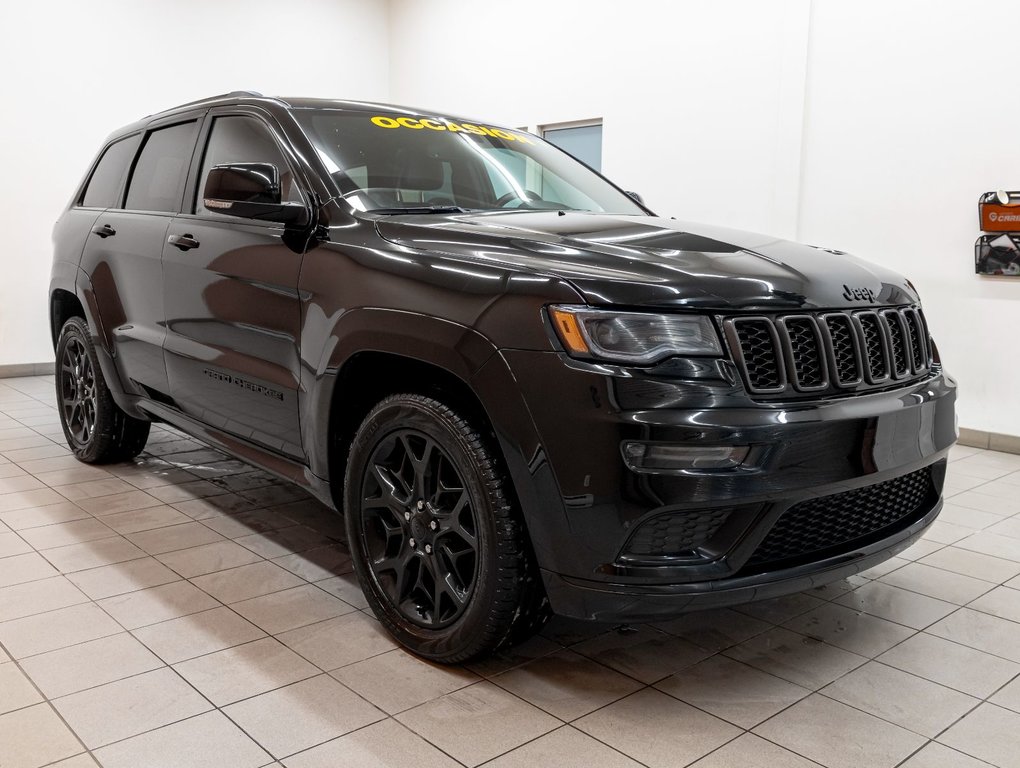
(675, 534)
(823, 526)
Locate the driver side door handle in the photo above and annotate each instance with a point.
(184, 242)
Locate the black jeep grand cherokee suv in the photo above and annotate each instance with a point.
(524, 390)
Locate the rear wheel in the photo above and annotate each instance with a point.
(440, 551)
(96, 429)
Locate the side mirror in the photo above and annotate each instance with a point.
(252, 191)
(637, 197)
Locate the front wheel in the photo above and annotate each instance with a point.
(96, 429)
(440, 551)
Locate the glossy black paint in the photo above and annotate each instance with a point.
(655, 262)
(271, 341)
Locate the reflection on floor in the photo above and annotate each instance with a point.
(187, 610)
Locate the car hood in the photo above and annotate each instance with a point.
(649, 261)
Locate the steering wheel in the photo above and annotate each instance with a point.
(531, 196)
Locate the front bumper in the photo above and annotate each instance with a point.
(652, 602)
(584, 504)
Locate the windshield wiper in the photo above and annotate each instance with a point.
(421, 209)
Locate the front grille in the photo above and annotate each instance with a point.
(675, 534)
(829, 353)
(917, 337)
(844, 345)
(808, 368)
(877, 356)
(759, 348)
(841, 521)
(895, 326)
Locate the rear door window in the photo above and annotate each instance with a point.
(103, 188)
(157, 182)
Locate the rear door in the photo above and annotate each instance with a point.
(230, 296)
(104, 188)
(122, 256)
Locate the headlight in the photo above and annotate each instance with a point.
(632, 337)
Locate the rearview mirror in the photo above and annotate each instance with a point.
(252, 191)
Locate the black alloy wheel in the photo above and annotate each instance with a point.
(77, 383)
(96, 429)
(420, 528)
(438, 545)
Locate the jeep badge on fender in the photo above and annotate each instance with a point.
(526, 392)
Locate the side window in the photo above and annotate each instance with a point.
(237, 139)
(582, 141)
(159, 174)
(103, 187)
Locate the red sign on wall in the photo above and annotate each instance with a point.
(999, 212)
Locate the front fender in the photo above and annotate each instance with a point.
(474, 360)
(455, 348)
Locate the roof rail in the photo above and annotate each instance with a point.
(231, 95)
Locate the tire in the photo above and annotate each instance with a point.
(96, 429)
(424, 495)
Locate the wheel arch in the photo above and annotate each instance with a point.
(71, 295)
(377, 352)
(64, 305)
(367, 377)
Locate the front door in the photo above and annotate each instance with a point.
(231, 301)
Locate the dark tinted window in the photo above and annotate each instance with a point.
(158, 178)
(236, 139)
(104, 186)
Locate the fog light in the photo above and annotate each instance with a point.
(646, 457)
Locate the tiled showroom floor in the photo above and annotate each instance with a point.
(186, 610)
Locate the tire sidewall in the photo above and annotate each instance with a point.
(392, 415)
(75, 328)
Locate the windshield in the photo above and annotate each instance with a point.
(390, 163)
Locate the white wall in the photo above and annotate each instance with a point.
(75, 70)
(870, 126)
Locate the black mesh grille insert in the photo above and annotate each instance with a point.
(875, 353)
(844, 352)
(916, 333)
(897, 344)
(808, 362)
(675, 533)
(844, 520)
(761, 358)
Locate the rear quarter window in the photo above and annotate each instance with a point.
(103, 187)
